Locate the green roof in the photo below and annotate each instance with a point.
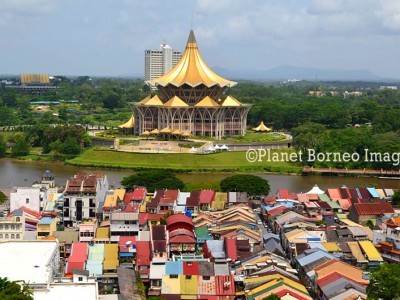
(324, 197)
(334, 204)
(202, 232)
(341, 216)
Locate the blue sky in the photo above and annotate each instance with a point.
(77, 37)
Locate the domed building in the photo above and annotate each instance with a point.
(191, 100)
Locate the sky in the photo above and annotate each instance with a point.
(108, 38)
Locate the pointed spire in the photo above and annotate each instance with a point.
(191, 38)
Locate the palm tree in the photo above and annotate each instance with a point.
(13, 290)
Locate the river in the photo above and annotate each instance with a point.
(23, 173)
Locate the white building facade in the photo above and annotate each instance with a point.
(158, 62)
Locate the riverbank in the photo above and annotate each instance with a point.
(216, 162)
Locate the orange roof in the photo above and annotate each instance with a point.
(128, 124)
(347, 270)
(191, 70)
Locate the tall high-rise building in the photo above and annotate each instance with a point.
(158, 62)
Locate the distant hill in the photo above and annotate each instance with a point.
(301, 73)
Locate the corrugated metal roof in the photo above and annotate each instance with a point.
(174, 267)
(370, 250)
(46, 221)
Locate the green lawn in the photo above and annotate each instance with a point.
(249, 137)
(224, 161)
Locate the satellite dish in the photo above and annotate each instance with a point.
(128, 243)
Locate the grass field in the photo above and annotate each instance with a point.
(223, 161)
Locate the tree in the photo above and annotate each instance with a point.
(396, 198)
(251, 184)
(21, 145)
(12, 290)
(3, 146)
(271, 297)
(153, 180)
(370, 223)
(385, 282)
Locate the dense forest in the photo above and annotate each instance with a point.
(330, 120)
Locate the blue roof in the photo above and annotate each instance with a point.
(318, 254)
(316, 239)
(174, 268)
(46, 221)
(373, 192)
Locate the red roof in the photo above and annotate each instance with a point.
(344, 204)
(29, 211)
(373, 208)
(231, 250)
(181, 231)
(334, 194)
(75, 265)
(126, 242)
(269, 199)
(191, 268)
(171, 194)
(225, 285)
(207, 196)
(138, 194)
(178, 218)
(79, 252)
(131, 208)
(328, 279)
(143, 217)
(143, 253)
(277, 210)
(182, 239)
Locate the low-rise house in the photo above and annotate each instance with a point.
(123, 224)
(87, 230)
(12, 227)
(77, 259)
(376, 212)
(127, 246)
(237, 198)
(111, 261)
(202, 235)
(207, 197)
(46, 227)
(66, 239)
(94, 264)
(143, 258)
(33, 198)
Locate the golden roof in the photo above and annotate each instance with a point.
(261, 127)
(145, 132)
(175, 102)
(155, 100)
(177, 132)
(155, 131)
(145, 100)
(166, 130)
(207, 102)
(128, 124)
(191, 70)
(230, 101)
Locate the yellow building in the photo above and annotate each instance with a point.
(46, 227)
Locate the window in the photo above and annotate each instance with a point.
(13, 236)
(18, 219)
(1, 227)
(17, 236)
(173, 276)
(16, 227)
(206, 277)
(6, 227)
(80, 278)
(1, 235)
(27, 200)
(188, 276)
(6, 236)
(12, 227)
